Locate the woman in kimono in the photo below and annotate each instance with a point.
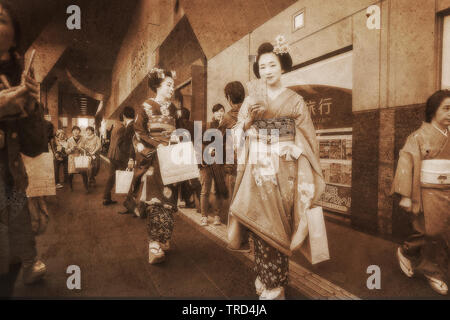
(273, 192)
(426, 251)
(154, 125)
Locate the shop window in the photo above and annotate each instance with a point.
(326, 87)
(298, 20)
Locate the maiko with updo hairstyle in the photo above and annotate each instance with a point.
(156, 77)
(274, 193)
(284, 58)
(154, 126)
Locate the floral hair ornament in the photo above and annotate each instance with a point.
(281, 45)
(159, 73)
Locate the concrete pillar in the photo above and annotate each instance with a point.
(199, 86)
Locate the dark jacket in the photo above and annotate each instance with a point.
(27, 135)
(121, 145)
(20, 134)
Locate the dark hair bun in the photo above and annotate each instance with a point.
(156, 77)
(284, 58)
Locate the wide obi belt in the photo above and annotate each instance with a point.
(283, 127)
(268, 147)
(161, 126)
(435, 172)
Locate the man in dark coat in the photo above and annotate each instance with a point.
(121, 151)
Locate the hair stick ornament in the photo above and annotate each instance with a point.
(281, 45)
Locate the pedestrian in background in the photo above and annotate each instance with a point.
(92, 145)
(22, 130)
(60, 157)
(74, 149)
(189, 190)
(121, 152)
(213, 175)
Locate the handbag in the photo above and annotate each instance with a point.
(82, 163)
(316, 248)
(123, 181)
(177, 163)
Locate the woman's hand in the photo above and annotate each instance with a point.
(406, 203)
(174, 139)
(12, 101)
(31, 85)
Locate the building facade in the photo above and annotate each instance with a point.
(364, 67)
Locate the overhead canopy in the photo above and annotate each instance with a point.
(218, 23)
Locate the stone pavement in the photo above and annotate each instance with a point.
(112, 252)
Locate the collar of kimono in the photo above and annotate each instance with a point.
(445, 133)
(127, 122)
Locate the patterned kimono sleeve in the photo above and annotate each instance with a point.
(304, 122)
(141, 129)
(403, 180)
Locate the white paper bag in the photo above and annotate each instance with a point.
(144, 188)
(123, 181)
(316, 247)
(82, 162)
(177, 163)
(41, 175)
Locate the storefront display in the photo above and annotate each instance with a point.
(330, 101)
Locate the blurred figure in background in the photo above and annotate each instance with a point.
(121, 152)
(189, 190)
(210, 173)
(235, 94)
(74, 149)
(92, 145)
(22, 130)
(60, 156)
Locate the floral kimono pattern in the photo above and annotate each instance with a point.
(273, 191)
(154, 125)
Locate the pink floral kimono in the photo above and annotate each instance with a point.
(273, 191)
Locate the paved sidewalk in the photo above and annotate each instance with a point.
(345, 275)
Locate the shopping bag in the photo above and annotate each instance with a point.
(82, 163)
(144, 188)
(315, 248)
(123, 181)
(41, 175)
(177, 163)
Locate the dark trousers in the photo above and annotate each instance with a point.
(57, 165)
(131, 201)
(111, 181)
(7, 281)
(85, 179)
